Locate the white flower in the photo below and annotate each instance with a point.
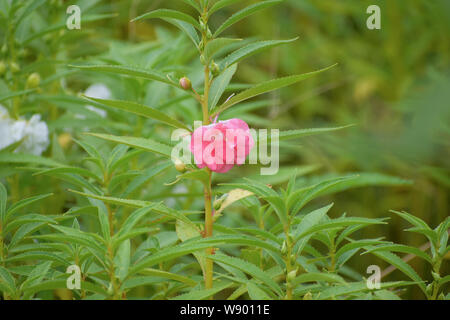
(99, 91)
(33, 133)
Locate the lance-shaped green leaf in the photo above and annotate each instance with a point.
(221, 4)
(219, 85)
(188, 29)
(318, 277)
(141, 110)
(72, 170)
(169, 275)
(157, 207)
(300, 133)
(139, 143)
(170, 14)
(24, 202)
(63, 25)
(27, 158)
(193, 4)
(203, 294)
(401, 265)
(248, 268)
(401, 248)
(251, 49)
(3, 198)
(215, 45)
(266, 87)
(238, 16)
(137, 72)
(14, 94)
(7, 282)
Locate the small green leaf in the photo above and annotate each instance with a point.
(249, 268)
(139, 143)
(141, 110)
(251, 49)
(171, 14)
(220, 84)
(238, 16)
(137, 72)
(221, 4)
(266, 87)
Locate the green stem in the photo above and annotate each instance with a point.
(289, 267)
(208, 232)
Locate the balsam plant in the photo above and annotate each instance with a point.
(126, 247)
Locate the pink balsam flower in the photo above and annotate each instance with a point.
(220, 146)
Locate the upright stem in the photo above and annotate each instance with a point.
(208, 276)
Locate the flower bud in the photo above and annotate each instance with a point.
(209, 34)
(284, 248)
(180, 166)
(308, 296)
(14, 67)
(203, 60)
(292, 275)
(185, 83)
(2, 68)
(215, 69)
(33, 80)
(218, 202)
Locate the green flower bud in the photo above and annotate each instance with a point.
(209, 34)
(292, 275)
(185, 83)
(180, 166)
(284, 248)
(203, 59)
(436, 276)
(33, 80)
(308, 296)
(215, 69)
(218, 202)
(429, 289)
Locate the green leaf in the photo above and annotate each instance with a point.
(251, 49)
(295, 134)
(137, 72)
(219, 85)
(238, 16)
(7, 281)
(221, 4)
(169, 275)
(63, 25)
(171, 14)
(394, 260)
(308, 221)
(139, 143)
(122, 259)
(298, 199)
(32, 6)
(3, 199)
(14, 94)
(193, 4)
(318, 277)
(215, 45)
(256, 293)
(72, 170)
(202, 294)
(27, 158)
(402, 248)
(248, 268)
(266, 87)
(353, 288)
(141, 110)
(158, 207)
